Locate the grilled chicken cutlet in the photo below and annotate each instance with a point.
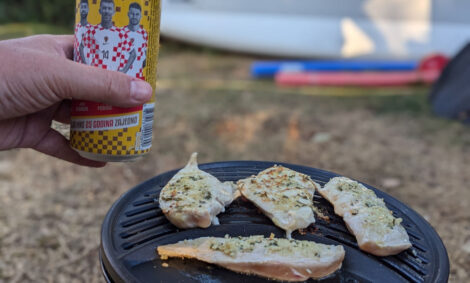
(377, 231)
(284, 195)
(193, 198)
(280, 259)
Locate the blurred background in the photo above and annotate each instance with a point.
(212, 98)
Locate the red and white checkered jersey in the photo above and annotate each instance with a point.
(138, 41)
(104, 47)
(80, 32)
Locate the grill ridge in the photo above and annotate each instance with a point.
(144, 226)
(412, 234)
(143, 202)
(153, 193)
(419, 257)
(342, 240)
(413, 264)
(403, 270)
(147, 215)
(419, 247)
(141, 209)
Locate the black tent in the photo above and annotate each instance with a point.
(450, 95)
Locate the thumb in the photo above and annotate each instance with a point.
(79, 81)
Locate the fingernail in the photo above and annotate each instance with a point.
(141, 91)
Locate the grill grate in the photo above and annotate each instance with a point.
(135, 226)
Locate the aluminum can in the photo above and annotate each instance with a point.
(118, 35)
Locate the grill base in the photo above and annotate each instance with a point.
(135, 226)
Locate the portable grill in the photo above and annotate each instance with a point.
(135, 226)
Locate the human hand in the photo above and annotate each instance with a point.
(38, 79)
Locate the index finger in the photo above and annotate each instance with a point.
(61, 45)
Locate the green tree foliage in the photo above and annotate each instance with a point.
(57, 12)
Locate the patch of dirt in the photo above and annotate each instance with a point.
(51, 211)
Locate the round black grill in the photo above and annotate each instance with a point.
(135, 226)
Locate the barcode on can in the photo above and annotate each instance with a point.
(147, 124)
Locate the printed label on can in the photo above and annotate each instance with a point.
(118, 35)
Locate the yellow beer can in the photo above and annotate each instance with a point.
(118, 35)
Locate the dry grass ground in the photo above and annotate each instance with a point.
(51, 211)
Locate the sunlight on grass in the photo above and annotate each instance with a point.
(15, 30)
(209, 84)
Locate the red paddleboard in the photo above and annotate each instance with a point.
(357, 79)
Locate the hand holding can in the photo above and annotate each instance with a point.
(123, 37)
